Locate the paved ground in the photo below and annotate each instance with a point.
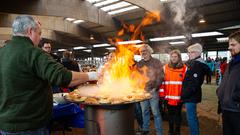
(208, 118)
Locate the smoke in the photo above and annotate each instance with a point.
(183, 16)
(179, 7)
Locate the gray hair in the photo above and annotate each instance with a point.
(147, 47)
(22, 23)
(195, 47)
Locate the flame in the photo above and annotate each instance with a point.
(120, 74)
(121, 32)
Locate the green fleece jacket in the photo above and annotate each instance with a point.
(26, 76)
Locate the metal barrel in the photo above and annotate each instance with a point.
(109, 119)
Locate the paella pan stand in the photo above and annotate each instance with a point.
(109, 119)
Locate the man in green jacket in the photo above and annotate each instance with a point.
(26, 76)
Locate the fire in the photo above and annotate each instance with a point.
(121, 76)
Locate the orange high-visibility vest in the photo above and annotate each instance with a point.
(172, 85)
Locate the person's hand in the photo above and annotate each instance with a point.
(92, 76)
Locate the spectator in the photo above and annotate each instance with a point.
(223, 66)
(229, 90)
(68, 62)
(26, 77)
(217, 63)
(191, 88)
(47, 47)
(210, 64)
(174, 73)
(155, 75)
(217, 71)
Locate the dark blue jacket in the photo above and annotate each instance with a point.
(229, 90)
(191, 87)
(70, 64)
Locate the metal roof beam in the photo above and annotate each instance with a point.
(149, 5)
(78, 9)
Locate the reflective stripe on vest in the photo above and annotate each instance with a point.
(172, 82)
(172, 97)
(161, 90)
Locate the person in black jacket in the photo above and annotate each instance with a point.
(191, 88)
(229, 90)
(68, 62)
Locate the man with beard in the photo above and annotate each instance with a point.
(154, 73)
(229, 90)
(174, 73)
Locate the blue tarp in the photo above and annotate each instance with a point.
(71, 113)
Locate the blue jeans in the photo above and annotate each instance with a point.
(192, 119)
(154, 104)
(40, 131)
(138, 114)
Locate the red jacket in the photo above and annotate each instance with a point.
(223, 67)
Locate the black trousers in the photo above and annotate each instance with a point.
(208, 79)
(174, 117)
(231, 122)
